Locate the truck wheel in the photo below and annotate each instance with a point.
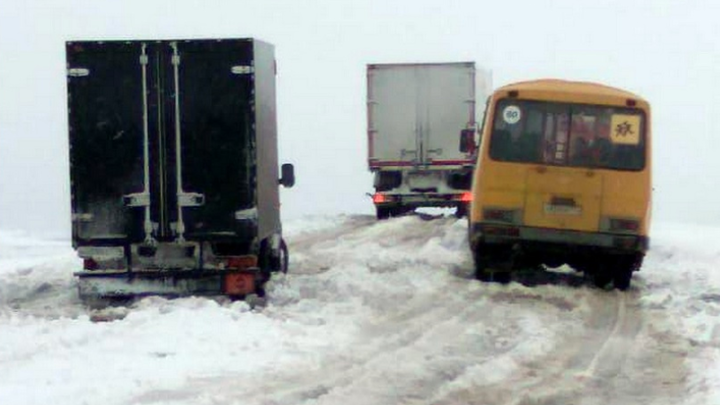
(461, 211)
(272, 261)
(284, 257)
(279, 259)
(382, 212)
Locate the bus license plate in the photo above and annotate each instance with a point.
(562, 209)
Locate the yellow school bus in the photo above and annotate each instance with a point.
(563, 177)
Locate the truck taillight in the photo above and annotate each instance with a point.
(380, 198)
(90, 264)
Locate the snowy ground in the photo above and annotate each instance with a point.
(372, 313)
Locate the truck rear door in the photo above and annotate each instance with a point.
(393, 132)
(216, 136)
(105, 103)
(161, 137)
(446, 106)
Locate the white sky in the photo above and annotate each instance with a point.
(666, 51)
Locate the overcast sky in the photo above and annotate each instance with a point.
(666, 51)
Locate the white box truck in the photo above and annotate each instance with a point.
(415, 114)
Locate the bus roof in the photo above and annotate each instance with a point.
(565, 88)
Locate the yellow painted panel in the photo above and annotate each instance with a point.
(563, 198)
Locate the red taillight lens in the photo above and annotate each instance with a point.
(627, 225)
(242, 262)
(466, 197)
(499, 215)
(380, 198)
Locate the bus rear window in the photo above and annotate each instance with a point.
(568, 135)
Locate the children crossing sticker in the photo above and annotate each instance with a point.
(625, 129)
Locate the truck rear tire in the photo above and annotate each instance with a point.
(382, 212)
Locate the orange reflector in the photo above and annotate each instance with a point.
(239, 283)
(242, 262)
(379, 198)
(466, 197)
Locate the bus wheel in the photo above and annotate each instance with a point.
(624, 268)
(601, 278)
(622, 278)
(600, 274)
(482, 262)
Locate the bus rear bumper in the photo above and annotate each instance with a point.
(532, 238)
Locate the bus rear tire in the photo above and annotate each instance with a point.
(624, 268)
(621, 279)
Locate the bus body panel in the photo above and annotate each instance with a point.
(562, 198)
(595, 218)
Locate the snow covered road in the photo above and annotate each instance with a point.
(372, 313)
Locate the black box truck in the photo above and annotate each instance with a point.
(173, 167)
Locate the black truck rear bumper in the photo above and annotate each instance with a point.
(124, 284)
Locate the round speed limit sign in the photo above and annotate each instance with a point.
(512, 114)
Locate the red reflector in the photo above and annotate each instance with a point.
(466, 197)
(494, 214)
(499, 215)
(90, 264)
(239, 283)
(379, 198)
(624, 225)
(501, 231)
(242, 262)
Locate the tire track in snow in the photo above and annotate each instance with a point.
(606, 362)
(462, 342)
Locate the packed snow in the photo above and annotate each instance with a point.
(371, 313)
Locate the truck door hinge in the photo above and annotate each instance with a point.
(78, 72)
(190, 199)
(136, 200)
(242, 69)
(82, 217)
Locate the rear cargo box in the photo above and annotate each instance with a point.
(173, 151)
